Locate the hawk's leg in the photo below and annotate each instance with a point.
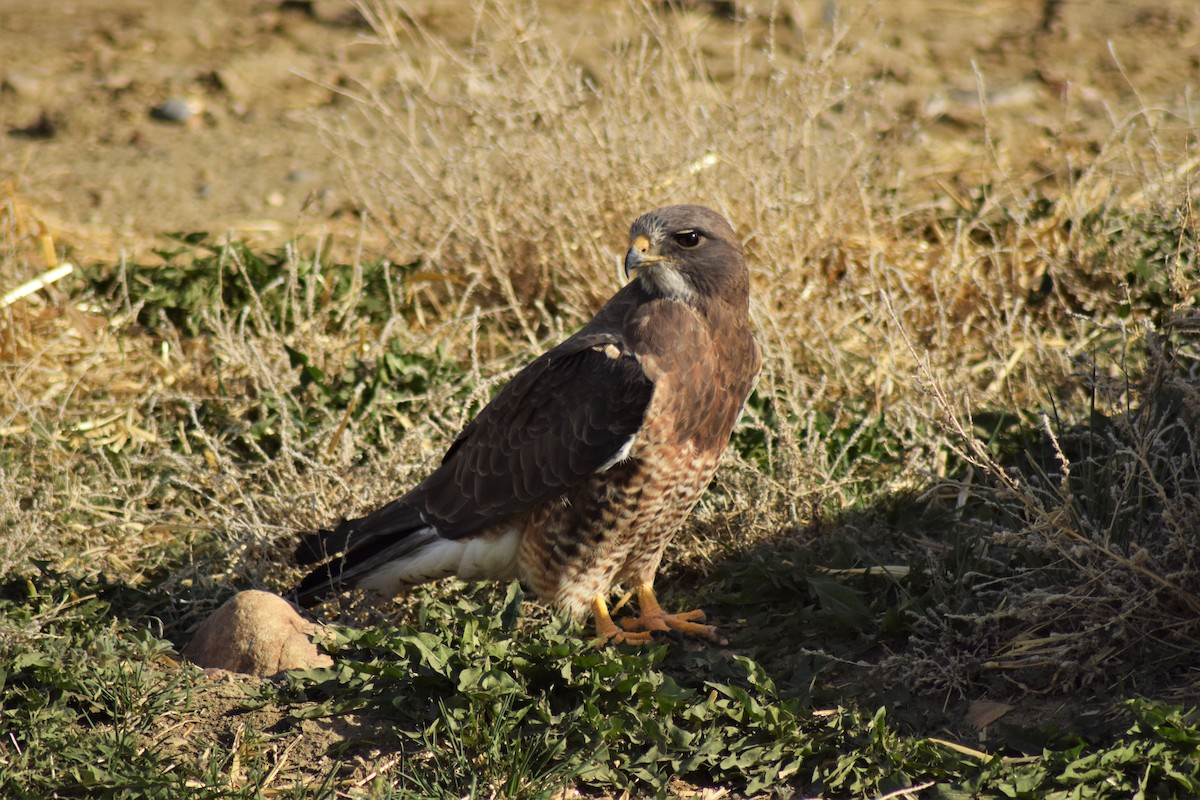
(607, 630)
(651, 617)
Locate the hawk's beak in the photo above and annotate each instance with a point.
(640, 255)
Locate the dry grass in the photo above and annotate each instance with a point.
(919, 260)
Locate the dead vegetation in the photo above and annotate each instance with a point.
(976, 291)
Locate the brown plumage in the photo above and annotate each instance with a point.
(578, 472)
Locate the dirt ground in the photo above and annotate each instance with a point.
(245, 88)
(248, 85)
(85, 147)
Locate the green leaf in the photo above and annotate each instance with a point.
(842, 602)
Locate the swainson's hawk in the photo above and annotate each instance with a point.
(575, 476)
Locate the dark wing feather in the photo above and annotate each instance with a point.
(559, 420)
(394, 520)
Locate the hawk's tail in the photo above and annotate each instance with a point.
(358, 547)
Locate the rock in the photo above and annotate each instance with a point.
(257, 633)
(21, 85)
(175, 110)
(46, 126)
(230, 83)
(117, 82)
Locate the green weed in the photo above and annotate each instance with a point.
(80, 693)
(198, 278)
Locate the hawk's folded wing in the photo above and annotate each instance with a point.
(569, 413)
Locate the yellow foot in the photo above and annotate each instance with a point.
(607, 631)
(687, 623)
(652, 618)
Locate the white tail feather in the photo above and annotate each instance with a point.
(477, 558)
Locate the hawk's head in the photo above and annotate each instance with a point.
(687, 253)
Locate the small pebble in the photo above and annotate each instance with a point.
(117, 82)
(21, 84)
(174, 110)
(44, 127)
(275, 199)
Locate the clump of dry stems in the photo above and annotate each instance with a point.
(509, 166)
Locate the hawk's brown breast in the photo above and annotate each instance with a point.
(615, 526)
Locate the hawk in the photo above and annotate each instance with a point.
(576, 475)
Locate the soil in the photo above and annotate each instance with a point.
(86, 148)
(83, 87)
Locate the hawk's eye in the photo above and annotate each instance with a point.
(688, 239)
